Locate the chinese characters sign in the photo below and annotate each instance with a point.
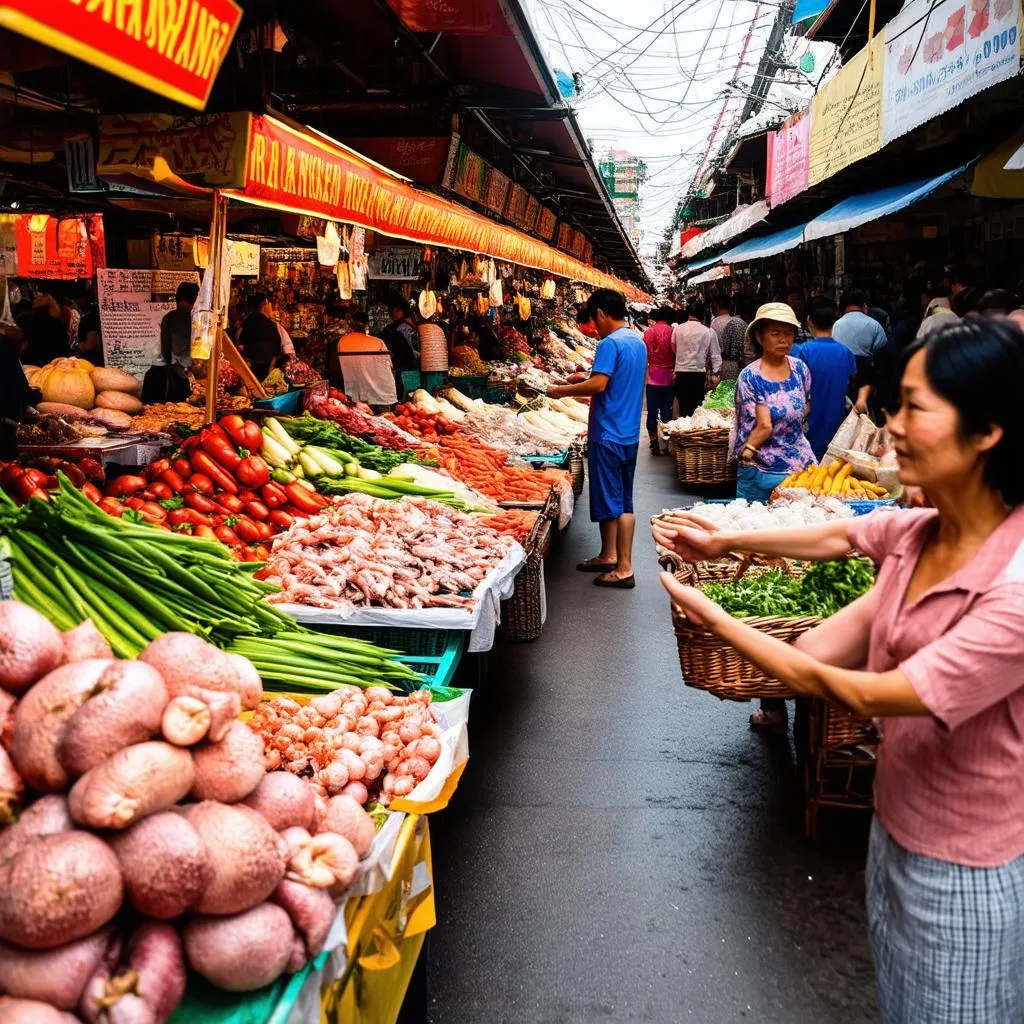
(788, 159)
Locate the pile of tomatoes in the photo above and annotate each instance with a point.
(217, 485)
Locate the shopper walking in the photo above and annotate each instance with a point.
(833, 373)
(935, 649)
(698, 357)
(861, 334)
(616, 392)
(661, 361)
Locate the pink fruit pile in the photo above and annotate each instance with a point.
(139, 788)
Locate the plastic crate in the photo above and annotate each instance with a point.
(499, 394)
(290, 403)
(433, 653)
(559, 459)
(471, 387)
(411, 379)
(862, 508)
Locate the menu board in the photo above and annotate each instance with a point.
(130, 316)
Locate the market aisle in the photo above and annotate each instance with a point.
(621, 847)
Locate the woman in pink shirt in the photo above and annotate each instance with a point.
(936, 650)
(661, 363)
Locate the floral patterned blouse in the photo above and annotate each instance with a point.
(788, 402)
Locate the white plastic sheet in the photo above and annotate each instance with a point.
(481, 619)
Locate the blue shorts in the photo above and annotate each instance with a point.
(610, 469)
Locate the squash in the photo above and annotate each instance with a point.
(66, 381)
(120, 401)
(107, 378)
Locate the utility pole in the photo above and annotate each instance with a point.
(769, 62)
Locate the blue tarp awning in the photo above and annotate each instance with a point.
(857, 210)
(692, 268)
(766, 245)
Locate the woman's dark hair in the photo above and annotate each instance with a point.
(609, 302)
(977, 365)
(695, 308)
(998, 300)
(663, 315)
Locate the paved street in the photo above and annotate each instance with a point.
(622, 848)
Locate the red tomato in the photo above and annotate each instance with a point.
(154, 469)
(256, 509)
(92, 492)
(112, 507)
(182, 465)
(245, 433)
(160, 491)
(204, 531)
(200, 483)
(220, 448)
(265, 529)
(201, 503)
(152, 512)
(226, 535)
(246, 529)
(253, 471)
(126, 485)
(281, 519)
(174, 480)
(273, 495)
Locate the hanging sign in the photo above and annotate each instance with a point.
(788, 158)
(130, 317)
(546, 220)
(846, 116)
(496, 195)
(939, 54)
(61, 249)
(173, 251)
(395, 263)
(470, 175)
(172, 49)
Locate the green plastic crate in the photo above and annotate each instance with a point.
(498, 394)
(434, 653)
(560, 459)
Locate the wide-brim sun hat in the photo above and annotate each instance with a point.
(777, 311)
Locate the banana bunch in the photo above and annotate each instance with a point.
(836, 480)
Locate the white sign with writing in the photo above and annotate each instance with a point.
(395, 263)
(129, 316)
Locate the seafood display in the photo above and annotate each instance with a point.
(371, 744)
(357, 420)
(370, 552)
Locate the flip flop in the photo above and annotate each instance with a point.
(624, 584)
(595, 566)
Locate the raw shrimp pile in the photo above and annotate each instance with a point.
(369, 552)
(364, 743)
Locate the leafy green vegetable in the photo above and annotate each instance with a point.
(310, 430)
(822, 590)
(723, 397)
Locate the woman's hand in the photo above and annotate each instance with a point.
(700, 610)
(690, 536)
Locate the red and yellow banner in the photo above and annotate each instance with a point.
(301, 172)
(174, 49)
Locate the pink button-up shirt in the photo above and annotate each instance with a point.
(950, 785)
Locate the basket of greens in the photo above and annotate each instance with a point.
(774, 600)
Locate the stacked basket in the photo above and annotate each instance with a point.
(522, 615)
(577, 465)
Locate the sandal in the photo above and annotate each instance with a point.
(769, 721)
(626, 583)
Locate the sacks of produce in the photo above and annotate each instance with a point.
(118, 818)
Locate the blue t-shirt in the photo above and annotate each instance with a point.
(615, 413)
(831, 365)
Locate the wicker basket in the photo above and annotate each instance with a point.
(703, 456)
(709, 663)
(521, 615)
(577, 466)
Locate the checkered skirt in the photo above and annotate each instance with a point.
(947, 940)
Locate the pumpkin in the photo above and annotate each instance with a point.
(106, 378)
(120, 401)
(66, 381)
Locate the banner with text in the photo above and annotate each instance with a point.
(846, 116)
(395, 263)
(173, 49)
(939, 54)
(789, 151)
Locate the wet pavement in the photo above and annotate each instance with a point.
(623, 848)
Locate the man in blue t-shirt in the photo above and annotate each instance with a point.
(833, 369)
(616, 392)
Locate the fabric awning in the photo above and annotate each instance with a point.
(766, 245)
(743, 218)
(692, 268)
(714, 274)
(857, 210)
